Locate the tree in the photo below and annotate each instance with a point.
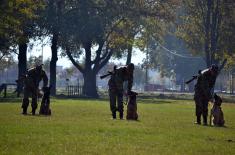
(172, 59)
(28, 29)
(86, 26)
(14, 16)
(50, 21)
(8, 26)
(205, 27)
(92, 23)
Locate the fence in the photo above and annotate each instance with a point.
(73, 90)
(7, 86)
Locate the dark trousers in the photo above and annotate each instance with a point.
(30, 91)
(201, 106)
(116, 96)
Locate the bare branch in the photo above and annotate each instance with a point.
(73, 61)
(2, 56)
(105, 60)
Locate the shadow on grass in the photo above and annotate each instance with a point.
(155, 101)
(160, 98)
(36, 115)
(152, 100)
(140, 99)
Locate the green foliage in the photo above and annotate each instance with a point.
(176, 60)
(13, 16)
(86, 127)
(208, 28)
(118, 23)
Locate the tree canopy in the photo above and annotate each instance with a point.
(13, 15)
(208, 28)
(97, 30)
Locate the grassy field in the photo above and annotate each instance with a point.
(86, 127)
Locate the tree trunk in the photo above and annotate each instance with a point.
(207, 33)
(89, 88)
(129, 55)
(22, 65)
(54, 59)
(91, 68)
(89, 75)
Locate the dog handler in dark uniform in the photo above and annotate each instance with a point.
(119, 76)
(31, 84)
(204, 92)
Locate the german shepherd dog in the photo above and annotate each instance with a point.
(45, 104)
(132, 106)
(216, 115)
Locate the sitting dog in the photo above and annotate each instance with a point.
(45, 104)
(217, 115)
(132, 106)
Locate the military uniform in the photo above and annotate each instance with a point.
(203, 92)
(31, 84)
(115, 83)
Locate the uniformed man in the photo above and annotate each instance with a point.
(204, 92)
(31, 84)
(118, 77)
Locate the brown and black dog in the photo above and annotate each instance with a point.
(45, 104)
(216, 115)
(132, 106)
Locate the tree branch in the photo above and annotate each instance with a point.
(2, 56)
(200, 3)
(73, 61)
(105, 61)
(98, 53)
(113, 27)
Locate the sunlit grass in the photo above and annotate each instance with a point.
(86, 127)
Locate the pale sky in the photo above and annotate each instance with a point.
(37, 50)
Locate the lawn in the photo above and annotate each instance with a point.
(85, 127)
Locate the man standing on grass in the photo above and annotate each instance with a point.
(118, 77)
(31, 83)
(204, 92)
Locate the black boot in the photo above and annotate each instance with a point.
(24, 111)
(25, 103)
(33, 111)
(121, 115)
(198, 120)
(204, 120)
(114, 115)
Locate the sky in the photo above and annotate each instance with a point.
(38, 50)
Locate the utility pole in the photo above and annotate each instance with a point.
(232, 82)
(147, 64)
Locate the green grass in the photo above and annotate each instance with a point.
(86, 127)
